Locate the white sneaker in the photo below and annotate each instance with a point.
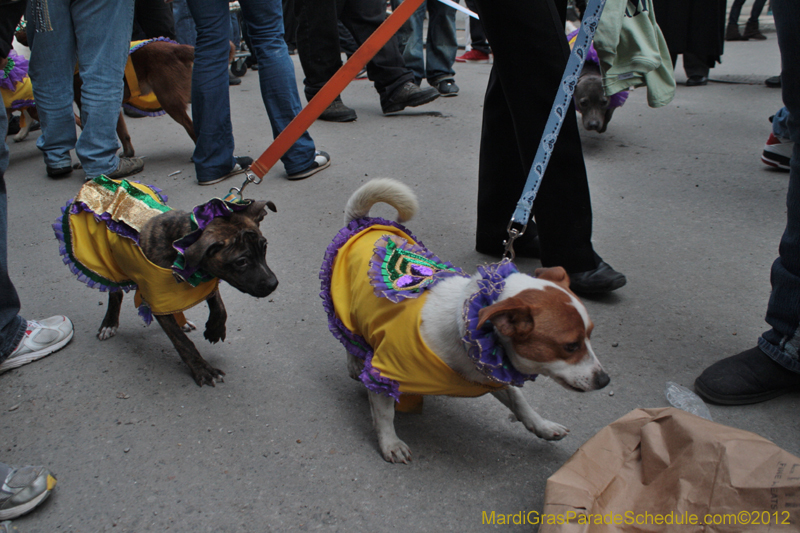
(41, 338)
(321, 161)
(777, 152)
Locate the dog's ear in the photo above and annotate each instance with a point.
(206, 246)
(512, 317)
(607, 119)
(555, 274)
(256, 210)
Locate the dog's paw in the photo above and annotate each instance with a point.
(189, 326)
(207, 375)
(214, 332)
(548, 430)
(396, 451)
(19, 137)
(106, 333)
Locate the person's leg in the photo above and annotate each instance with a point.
(185, 32)
(386, 70)
(563, 206)
(478, 36)
(211, 106)
(780, 123)
(695, 67)
(782, 342)
(735, 12)
(236, 32)
(773, 367)
(52, 64)
(317, 42)
(755, 12)
(346, 42)
(442, 45)
(413, 49)
(154, 18)
(12, 326)
(101, 63)
(264, 21)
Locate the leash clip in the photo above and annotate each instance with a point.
(235, 193)
(513, 234)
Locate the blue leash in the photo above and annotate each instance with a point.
(569, 80)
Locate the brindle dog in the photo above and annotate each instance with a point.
(231, 249)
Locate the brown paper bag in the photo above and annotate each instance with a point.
(668, 470)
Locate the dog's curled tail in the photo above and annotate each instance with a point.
(387, 190)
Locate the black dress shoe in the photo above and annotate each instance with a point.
(58, 172)
(601, 279)
(338, 112)
(408, 95)
(695, 81)
(749, 377)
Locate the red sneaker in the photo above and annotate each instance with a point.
(473, 56)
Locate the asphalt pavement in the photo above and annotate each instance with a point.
(682, 205)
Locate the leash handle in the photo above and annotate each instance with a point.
(334, 87)
(569, 80)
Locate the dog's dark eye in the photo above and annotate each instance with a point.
(572, 347)
(241, 263)
(604, 101)
(262, 245)
(583, 102)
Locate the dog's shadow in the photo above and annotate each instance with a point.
(460, 432)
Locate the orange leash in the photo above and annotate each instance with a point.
(328, 93)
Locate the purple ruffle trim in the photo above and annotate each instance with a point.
(144, 113)
(422, 276)
(148, 41)
(65, 256)
(203, 215)
(486, 353)
(20, 104)
(615, 100)
(355, 345)
(18, 73)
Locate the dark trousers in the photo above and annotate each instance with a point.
(477, 36)
(516, 108)
(318, 43)
(153, 18)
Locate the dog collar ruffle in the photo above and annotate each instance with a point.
(486, 353)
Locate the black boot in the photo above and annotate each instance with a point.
(732, 33)
(751, 32)
(749, 377)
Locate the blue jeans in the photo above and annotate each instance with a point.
(213, 155)
(185, 32)
(96, 34)
(782, 342)
(12, 326)
(441, 45)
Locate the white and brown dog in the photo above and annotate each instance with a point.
(414, 325)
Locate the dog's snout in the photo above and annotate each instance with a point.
(266, 286)
(593, 125)
(601, 379)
